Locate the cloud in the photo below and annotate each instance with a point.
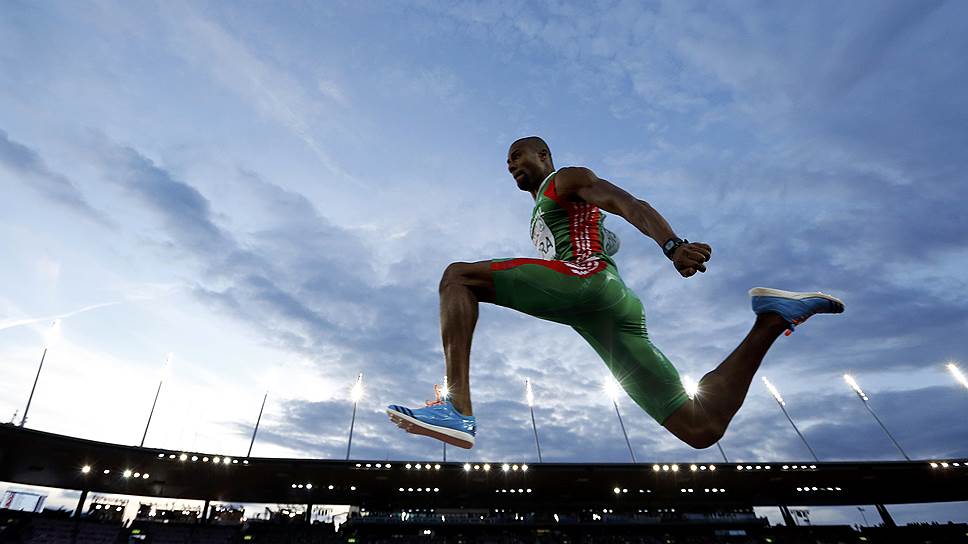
(274, 92)
(31, 169)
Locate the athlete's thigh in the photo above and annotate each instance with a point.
(620, 338)
(539, 288)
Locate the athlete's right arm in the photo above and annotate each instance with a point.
(583, 183)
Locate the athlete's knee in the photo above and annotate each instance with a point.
(454, 274)
(695, 428)
(704, 435)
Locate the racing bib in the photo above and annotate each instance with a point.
(541, 236)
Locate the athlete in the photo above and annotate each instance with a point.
(576, 282)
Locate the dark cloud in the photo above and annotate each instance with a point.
(31, 169)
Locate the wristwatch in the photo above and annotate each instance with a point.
(670, 246)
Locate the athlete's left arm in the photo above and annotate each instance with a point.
(582, 183)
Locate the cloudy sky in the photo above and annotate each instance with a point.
(271, 193)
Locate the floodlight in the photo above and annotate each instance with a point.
(853, 385)
(53, 333)
(773, 391)
(85, 469)
(166, 370)
(357, 393)
(691, 387)
(529, 393)
(612, 388)
(956, 372)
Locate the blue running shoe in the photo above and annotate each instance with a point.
(439, 419)
(793, 307)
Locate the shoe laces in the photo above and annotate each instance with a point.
(437, 393)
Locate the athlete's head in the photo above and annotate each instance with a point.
(529, 161)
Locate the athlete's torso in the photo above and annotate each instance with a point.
(567, 230)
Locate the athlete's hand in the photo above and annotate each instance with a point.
(689, 258)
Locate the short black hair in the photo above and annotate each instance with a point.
(533, 142)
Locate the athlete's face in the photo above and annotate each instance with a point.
(526, 166)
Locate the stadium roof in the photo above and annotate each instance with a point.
(39, 458)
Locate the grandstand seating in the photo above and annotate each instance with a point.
(55, 528)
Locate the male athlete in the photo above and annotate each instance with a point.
(576, 282)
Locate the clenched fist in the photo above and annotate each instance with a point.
(689, 258)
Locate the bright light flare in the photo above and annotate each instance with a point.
(853, 385)
(357, 393)
(528, 391)
(445, 391)
(691, 387)
(53, 334)
(166, 370)
(612, 388)
(956, 372)
(773, 391)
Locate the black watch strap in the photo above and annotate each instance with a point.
(671, 244)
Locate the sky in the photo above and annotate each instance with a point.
(270, 192)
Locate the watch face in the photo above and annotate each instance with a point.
(669, 245)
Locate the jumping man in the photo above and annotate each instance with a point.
(576, 282)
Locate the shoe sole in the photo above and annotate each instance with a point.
(414, 426)
(767, 292)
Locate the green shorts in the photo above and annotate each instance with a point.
(593, 300)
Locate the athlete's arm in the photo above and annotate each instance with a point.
(584, 184)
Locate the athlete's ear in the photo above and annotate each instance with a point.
(544, 154)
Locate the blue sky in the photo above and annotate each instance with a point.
(271, 192)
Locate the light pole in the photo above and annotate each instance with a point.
(779, 401)
(164, 374)
(959, 377)
(692, 391)
(258, 419)
(444, 393)
(613, 389)
(530, 396)
(51, 335)
(356, 394)
(863, 398)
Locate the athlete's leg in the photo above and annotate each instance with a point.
(701, 421)
(462, 287)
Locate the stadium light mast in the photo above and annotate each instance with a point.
(444, 393)
(613, 389)
(356, 394)
(529, 393)
(692, 391)
(258, 419)
(782, 404)
(52, 334)
(863, 398)
(956, 372)
(164, 374)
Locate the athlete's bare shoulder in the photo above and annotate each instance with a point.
(572, 179)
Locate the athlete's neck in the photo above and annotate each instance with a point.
(545, 175)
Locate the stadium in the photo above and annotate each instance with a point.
(500, 501)
(613, 231)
